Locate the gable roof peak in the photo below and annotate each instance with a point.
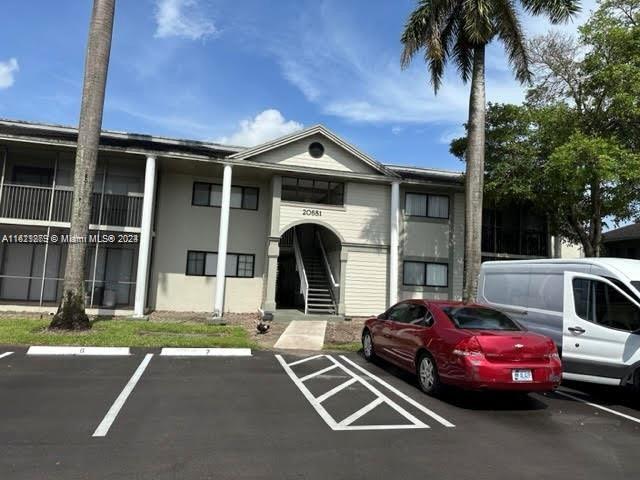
(307, 132)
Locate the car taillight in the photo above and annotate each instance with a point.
(552, 354)
(468, 347)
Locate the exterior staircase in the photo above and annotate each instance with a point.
(320, 298)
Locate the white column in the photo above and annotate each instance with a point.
(394, 229)
(144, 251)
(223, 236)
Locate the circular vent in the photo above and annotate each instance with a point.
(316, 150)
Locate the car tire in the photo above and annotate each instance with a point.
(428, 377)
(367, 346)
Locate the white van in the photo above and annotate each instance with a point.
(590, 307)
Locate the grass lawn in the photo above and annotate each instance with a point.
(343, 347)
(125, 333)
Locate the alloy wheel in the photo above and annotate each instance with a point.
(367, 345)
(427, 376)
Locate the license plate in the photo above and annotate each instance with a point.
(522, 375)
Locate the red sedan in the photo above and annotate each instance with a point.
(468, 346)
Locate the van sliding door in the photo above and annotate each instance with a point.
(599, 322)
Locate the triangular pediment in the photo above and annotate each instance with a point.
(294, 150)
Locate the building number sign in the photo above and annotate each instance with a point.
(309, 212)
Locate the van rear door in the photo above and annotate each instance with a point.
(601, 329)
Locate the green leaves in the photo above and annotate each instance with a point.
(448, 30)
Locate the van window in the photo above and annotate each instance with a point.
(546, 291)
(507, 288)
(597, 302)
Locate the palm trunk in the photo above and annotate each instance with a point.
(71, 314)
(474, 178)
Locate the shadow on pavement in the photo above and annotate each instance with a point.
(469, 400)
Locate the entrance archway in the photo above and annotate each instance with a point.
(309, 270)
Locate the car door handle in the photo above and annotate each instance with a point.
(577, 330)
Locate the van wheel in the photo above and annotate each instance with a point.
(367, 346)
(428, 377)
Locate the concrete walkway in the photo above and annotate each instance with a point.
(303, 335)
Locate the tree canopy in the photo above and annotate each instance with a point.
(572, 150)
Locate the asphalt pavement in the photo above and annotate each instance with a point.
(295, 416)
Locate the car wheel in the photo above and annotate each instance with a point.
(367, 346)
(428, 375)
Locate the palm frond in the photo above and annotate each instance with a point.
(416, 31)
(509, 31)
(557, 10)
(478, 20)
(427, 29)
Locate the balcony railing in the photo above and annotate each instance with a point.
(29, 202)
(514, 242)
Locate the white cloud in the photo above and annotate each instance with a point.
(265, 126)
(347, 74)
(8, 70)
(339, 69)
(182, 18)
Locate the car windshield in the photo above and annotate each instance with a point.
(636, 284)
(480, 318)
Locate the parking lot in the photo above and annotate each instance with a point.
(302, 415)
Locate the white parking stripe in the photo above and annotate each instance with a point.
(335, 390)
(318, 373)
(302, 360)
(307, 394)
(595, 405)
(415, 422)
(111, 415)
(205, 352)
(377, 392)
(88, 351)
(355, 416)
(5, 354)
(406, 398)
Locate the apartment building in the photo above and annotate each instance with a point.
(306, 222)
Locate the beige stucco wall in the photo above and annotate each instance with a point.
(297, 154)
(181, 226)
(364, 218)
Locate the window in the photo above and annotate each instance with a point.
(307, 190)
(417, 314)
(600, 303)
(316, 149)
(424, 205)
(206, 264)
(399, 313)
(546, 291)
(25, 175)
(480, 318)
(425, 274)
(210, 195)
(507, 288)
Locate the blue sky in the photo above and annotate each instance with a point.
(245, 71)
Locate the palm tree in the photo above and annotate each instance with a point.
(460, 30)
(71, 313)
